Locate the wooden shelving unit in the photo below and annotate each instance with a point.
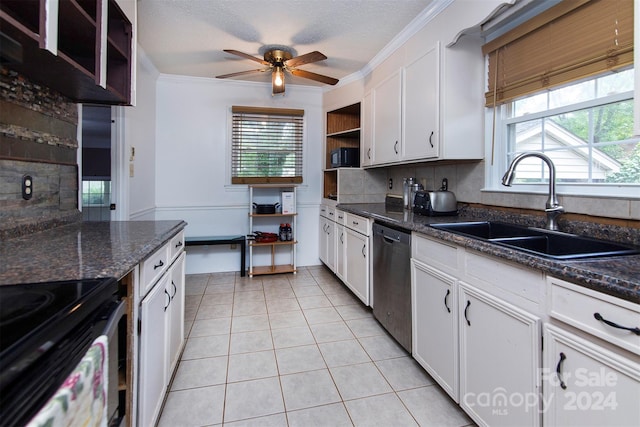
(343, 130)
(268, 223)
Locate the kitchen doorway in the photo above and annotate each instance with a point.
(96, 188)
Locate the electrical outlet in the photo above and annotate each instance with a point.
(27, 187)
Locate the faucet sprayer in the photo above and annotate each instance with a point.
(552, 207)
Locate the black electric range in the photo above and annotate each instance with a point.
(45, 330)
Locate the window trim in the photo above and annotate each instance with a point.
(243, 182)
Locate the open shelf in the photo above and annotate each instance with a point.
(282, 254)
(274, 269)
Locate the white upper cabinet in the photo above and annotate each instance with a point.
(366, 145)
(386, 120)
(420, 107)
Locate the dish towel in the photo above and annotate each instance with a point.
(81, 401)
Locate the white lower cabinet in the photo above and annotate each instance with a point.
(499, 360)
(328, 242)
(153, 336)
(357, 264)
(161, 337)
(435, 325)
(472, 334)
(341, 250)
(344, 248)
(586, 384)
(175, 329)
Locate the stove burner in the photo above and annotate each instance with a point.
(18, 304)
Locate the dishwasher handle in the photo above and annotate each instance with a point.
(391, 240)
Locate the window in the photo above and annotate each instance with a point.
(266, 145)
(585, 128)
(562, 83)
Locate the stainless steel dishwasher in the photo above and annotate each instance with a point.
(391, 280)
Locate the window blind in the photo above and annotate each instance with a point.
(570, 41)
(266, 145)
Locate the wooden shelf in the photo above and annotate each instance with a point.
(254, 215)
(349, 133)
(273, 269)
(276, 243)
(343, 131)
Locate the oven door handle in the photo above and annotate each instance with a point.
(114, 318)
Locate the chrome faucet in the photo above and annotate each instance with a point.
(552, 207)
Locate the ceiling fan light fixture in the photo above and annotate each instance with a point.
(278, 76)
(277, 81)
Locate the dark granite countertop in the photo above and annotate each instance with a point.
(616, 276)
(83, 250)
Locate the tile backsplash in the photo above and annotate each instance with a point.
(38, 137)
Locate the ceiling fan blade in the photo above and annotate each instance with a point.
(242, 73)
(307, 58)
(247, 56)
(314, 76)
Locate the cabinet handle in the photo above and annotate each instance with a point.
(179, 244)
(342, 238)
(395, 147)
(369, 153)
(160, 264)
(175, 290)
(559, 371)
(445, 301)
(465, 312)
(363, 248)
(615, 325)
(355, 222)
(431, 142)
(168, 300)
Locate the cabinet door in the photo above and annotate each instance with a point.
(358, 264)
(341, 245)
(331, 245)
(587, 385)
(420, 112)
(499, 360)
(387, 144)
(366, 126)
(152, 364)
(323, 240)
(435, 325)
(175, 331)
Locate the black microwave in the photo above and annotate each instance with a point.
(345, 157)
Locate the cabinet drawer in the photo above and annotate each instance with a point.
(341, 217)
(435, 253)
(323, 211)
(152, 268)
(358, 223)
(176, 245)
(331, 213)
(578, 306)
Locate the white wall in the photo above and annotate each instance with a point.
(140, 133)
(192, 163)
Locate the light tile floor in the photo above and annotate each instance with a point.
(295, 350)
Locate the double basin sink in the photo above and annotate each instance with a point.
(537, 241)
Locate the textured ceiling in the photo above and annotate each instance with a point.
(187, 37)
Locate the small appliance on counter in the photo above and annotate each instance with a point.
(344, 157)
(436, 203)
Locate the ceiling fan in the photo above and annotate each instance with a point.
(280, 60)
